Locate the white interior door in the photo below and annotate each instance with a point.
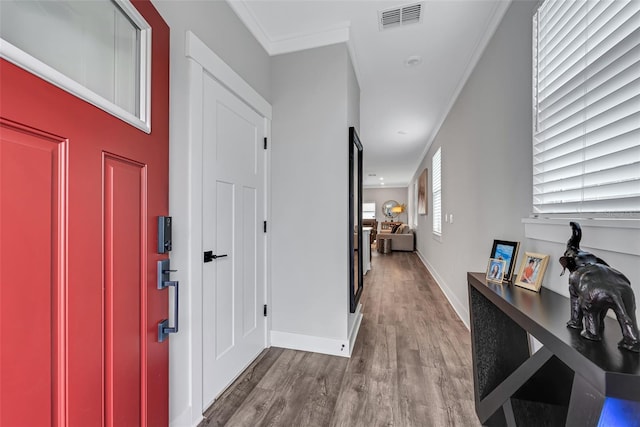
(233, 162)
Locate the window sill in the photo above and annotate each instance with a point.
(437, 237)
(615, 235)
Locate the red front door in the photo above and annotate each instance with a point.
(80, 193)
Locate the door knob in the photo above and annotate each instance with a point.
(164, 282)
(209, 256)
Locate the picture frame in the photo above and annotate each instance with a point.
(532, 271)
(495, 270)
(507, 251)
(422, 193)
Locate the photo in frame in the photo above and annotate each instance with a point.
(532, 271)
(422, 193)
(507, 251)
(495, 270)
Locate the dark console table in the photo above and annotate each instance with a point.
(569, 381)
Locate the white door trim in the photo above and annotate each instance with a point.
(199, 52)
(202, 59)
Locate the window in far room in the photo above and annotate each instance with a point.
(586, 105)
(436, 184)
(369, 210)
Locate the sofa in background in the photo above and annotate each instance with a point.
(402, 240)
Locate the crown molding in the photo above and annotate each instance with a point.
(310, 40)
(494, 21)
(251, 22)
(292, 42)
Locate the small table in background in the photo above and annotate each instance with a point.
(383, 244)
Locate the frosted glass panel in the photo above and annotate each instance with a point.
(91, 42)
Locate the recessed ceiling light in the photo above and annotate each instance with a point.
(382, 183)
(413, 61)
(381, 178)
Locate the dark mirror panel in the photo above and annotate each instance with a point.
(355, 219)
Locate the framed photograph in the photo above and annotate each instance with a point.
(422, 193)
(507, 251)
(532, 271)
(495, 270)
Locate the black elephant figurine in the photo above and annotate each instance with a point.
(595, 288)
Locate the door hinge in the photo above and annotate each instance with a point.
(265, 142)
(265, 226)
(265, 310)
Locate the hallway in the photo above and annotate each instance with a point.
(411, 365)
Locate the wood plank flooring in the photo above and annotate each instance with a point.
(411, 365)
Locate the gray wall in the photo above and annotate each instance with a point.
(309, 199)
(215, 23)
(486, 160)
(486, 175)
(381, 195)
(353, 97)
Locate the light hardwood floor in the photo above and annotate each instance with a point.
(411, 365)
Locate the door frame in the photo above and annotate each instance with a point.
(202, 59)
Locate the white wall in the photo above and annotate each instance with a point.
(310, 91)
(353, 119)
(218, 27)
(487, 177)
(381, 195)
(353, 96)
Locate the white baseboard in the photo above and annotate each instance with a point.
(355, 327)
(458, 307)
(185, 420)
(314, 344)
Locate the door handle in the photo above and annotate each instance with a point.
(209, 256)
(163, 282)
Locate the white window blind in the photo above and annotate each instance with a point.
(436, 185)
(586, 96)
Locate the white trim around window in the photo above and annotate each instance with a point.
(141, 121)
(615, 235)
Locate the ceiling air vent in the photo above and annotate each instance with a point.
(399, 16)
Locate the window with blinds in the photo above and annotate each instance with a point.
(436, 190)
(586, 106)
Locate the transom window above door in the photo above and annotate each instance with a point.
(98, 50)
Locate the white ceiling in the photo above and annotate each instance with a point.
(401, 107)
